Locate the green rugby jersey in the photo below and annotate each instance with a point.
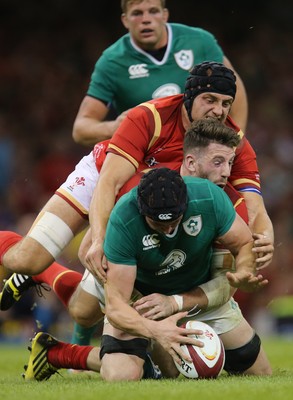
(170, 264)
(126, 76)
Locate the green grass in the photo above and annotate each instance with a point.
(84, 386)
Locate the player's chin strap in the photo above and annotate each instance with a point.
(194, 311)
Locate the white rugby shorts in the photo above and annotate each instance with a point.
(80, 184)
(222, 319)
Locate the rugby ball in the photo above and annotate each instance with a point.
(208, 361)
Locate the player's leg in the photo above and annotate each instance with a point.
(47, 355)
(127, 365)
(244, 354)
(51, 232)
(61, 280)
(125, 357)
(85, 324)
(84, 307)
(64, 215)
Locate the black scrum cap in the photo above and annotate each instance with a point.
(162, 195)
(208, 77)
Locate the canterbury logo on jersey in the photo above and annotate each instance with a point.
(138, 71)
(150, 241)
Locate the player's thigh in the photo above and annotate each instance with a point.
(61, 208)
(55, 226)
(241, 334)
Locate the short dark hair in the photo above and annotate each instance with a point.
(124, 4)
(162, 195)
(205, 131)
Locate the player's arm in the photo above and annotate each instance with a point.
(245, 178)
(239, 110)
(239, 241)
(90, 126)
(262, 228)
(213, 293)
(114, 174)
(118, 289)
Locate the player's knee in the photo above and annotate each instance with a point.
(120, 352)
(241, 359)
(26, 258)
(83, 316)
(110, 372)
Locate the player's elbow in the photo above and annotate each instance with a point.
(80, 136)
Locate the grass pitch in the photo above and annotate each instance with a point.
(89, 386)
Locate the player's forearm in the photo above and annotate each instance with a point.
(88, 131)
(245, 259)
(122, 316)
(100, 209)
(258, 219)
(261, 223)
(206, 296)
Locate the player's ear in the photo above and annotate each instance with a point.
(190, 163)
(165, 14)
(124, 20)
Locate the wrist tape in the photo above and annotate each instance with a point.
(179, 301)
(217, 291)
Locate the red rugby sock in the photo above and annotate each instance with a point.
(65, 355)
(62, 280)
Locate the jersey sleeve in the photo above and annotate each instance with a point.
(99, 153)
(119, 248)
(101, 85)
(245, 174)
(132, 138)
(210, 47)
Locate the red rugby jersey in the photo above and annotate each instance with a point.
(152, 135)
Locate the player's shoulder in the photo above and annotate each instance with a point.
(126, 208)
(200, 189)
(189, 31)
(118, 48)
(194, 181)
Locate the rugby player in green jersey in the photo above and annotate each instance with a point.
(169, 256)
(152, 60)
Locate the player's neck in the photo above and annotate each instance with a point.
(158, 54)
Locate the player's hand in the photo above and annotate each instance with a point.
(96, 262)
(156, 306)
(246, 281)
(170, 336)
(264, 250)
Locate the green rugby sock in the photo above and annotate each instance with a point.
(81, 335)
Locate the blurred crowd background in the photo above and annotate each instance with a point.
(48, 52)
